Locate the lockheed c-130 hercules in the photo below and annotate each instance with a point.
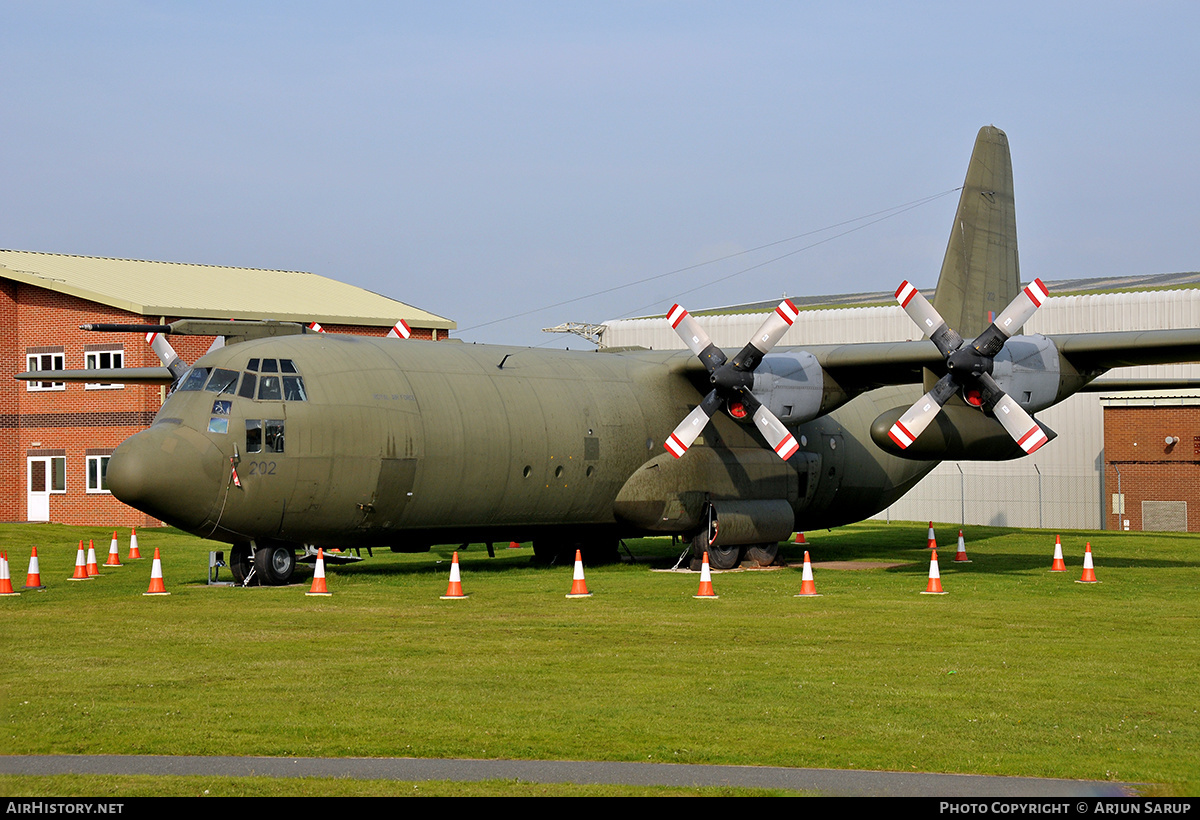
(286, 440)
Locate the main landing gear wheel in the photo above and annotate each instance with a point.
(239, 562)
(719, 557)
(274, 564)
(762, 555)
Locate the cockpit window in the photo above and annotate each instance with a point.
(252, 365)
(269, 389)
(222, 381)
(287, 366)
(195, 378)
(293, 389)
(270, 366)
(274, 435)
(246, 391)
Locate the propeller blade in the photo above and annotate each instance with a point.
(695, 338)
(1020, 425)
(400, 330)
(1021, 308)
(766, 337)
(315, 327)
(166, 354)
(690, 428)
(914, 421)
(927, 318)
(781, 441)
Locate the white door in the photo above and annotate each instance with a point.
(39, 489)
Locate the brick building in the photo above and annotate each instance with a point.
(1152, 463)
(55, 438)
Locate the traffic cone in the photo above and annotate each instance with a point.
(454, 590)
(33, 579)
(513, 545)
(80, 566)
(800, 538)
(931, 544)
(1089, 572)
(706, 588)
(578, 586)
(1058, 565)
(93, 569)
(808, 587)
(114, 556)
(134, 555)
(961, 556)
(318, 584)
(6, 587)
(156, 578)
(934, 587)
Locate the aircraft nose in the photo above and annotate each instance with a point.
(170, 472)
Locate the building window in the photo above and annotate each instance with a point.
(103, 360)
(44, 361)
(97, 474)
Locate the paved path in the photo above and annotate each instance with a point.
(825, 781)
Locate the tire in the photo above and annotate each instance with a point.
(762, 555)
(239, 562)
(274, 564)
(719, 557)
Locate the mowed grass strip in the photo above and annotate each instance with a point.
(1015, 671)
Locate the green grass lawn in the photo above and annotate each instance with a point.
(1015, 671)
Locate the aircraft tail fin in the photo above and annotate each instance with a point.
(980, 272)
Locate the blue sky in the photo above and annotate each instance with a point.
(483, 160)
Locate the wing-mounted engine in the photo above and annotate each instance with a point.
(1002, 375)
(795, 388)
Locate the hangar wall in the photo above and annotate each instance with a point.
(1063, 485)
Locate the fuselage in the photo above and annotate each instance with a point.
(351, 441)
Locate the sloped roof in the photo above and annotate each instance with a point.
(174, 289)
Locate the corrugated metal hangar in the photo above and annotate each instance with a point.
(1121, 460)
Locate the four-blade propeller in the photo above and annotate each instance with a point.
(732, 380)
(969, 368)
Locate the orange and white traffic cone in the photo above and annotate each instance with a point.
(134, 554)
(1058, 565)
(931, 544)
(800, 538)
(578, 585)
(81, 573)
(934, 587)
(318, 584)
(808, 587)
(6, 587)
(706, 587)
(1089, 572)
(93, 569)
(114, 556)
(454, 590)
(961, 556)
(156, 577)
(33, 578)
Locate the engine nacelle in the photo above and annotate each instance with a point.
(1028, 368)
(795, 387)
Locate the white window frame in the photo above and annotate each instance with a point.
(33, 361)
(92, 361)
(101, 463)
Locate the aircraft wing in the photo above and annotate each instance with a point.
(1097, 352)
(111, 375)
(876, 364)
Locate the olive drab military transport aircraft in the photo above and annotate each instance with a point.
(284, 440)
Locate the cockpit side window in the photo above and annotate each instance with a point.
(195, 378)
(222, 381)
(254, 438)
(274, 435)
(293, 389)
